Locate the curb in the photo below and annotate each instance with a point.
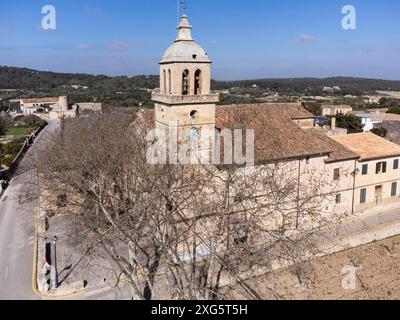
(39, 255)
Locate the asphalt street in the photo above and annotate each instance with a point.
(17, 228)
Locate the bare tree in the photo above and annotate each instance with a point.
(186, 232)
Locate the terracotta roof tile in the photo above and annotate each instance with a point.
(40, 100)
(339, 151)
(369, 146)
(277, 137)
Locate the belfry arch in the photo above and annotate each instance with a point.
(197, 82)
(186, 82)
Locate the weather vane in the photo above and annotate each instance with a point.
(182, 8)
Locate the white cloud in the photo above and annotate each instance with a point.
(82, 46)
(117, 46)
(305, 38)
(214, 42)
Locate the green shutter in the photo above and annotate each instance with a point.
(394, 189)
(364, 169)
(363, 196)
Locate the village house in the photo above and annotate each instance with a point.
(30, 106)
(334, 110)
(377, 173)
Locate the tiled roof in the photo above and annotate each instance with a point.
(369, 146)
(40, 100)
(277, 137)
(292, 110)
(392, 117)
(339, 151)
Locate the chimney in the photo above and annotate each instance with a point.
(333, 123)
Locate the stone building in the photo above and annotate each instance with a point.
(62, 110)
(377, 171)
(184, 102)
(334, 110)
(283, 133)
(30, 106)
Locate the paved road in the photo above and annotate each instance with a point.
(17, 228)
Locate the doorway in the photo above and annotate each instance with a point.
(378, 195)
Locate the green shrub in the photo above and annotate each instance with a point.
(7, 160)
(13, 147)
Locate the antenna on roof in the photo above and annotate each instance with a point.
(182, 8)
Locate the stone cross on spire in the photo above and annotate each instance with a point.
(184, 30)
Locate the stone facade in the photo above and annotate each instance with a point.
(184, 102)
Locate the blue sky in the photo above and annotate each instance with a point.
(245, 38)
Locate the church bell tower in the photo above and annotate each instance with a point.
(184, 102)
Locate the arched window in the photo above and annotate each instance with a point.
(164, 82)
(197, 82)
(169, 82)
(185, 83)
(194, 114)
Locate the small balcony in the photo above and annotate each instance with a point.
(189, 99)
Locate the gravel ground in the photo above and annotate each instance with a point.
(74, 262)
(378, 276)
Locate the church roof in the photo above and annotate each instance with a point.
(339, 151)
(277, 137)
(292, 110)
(185, 49)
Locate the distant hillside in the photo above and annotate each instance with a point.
(130, 91)
(113, 91)
(26, 79)
(314, 86)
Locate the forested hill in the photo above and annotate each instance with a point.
(26, 79)
(128, 91)
(314, 86)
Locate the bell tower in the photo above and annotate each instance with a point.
(184, 101)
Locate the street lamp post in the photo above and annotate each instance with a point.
(53, 269)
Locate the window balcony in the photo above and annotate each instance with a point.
(189, 99)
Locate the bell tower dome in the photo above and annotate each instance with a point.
(184, 101)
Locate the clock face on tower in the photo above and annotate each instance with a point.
(193, 135)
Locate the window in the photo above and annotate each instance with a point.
(396, 164)
(381, 167)
(169, 81)
(194, 114)
(338, 198)
(193, 135)
(164, 81)
(336, 174)
(364, 169)
(394, 189)
(197, 82)
(185, 83)
(363, 196)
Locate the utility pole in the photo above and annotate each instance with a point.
(53, 268)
